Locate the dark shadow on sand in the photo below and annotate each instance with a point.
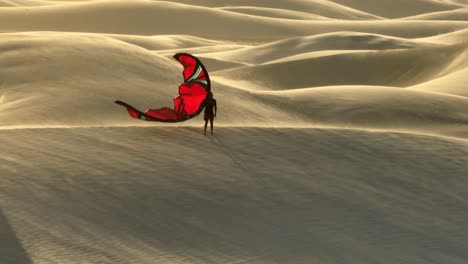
(11, 250)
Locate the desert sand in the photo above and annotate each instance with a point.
(341, 135)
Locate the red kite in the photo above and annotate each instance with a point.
(188, 103)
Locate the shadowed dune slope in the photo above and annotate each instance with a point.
(12, 250)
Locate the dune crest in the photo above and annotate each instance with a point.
(273, 12)
(459, 14)
(316, 7)
(330, 41)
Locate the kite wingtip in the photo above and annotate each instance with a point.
(122, 103)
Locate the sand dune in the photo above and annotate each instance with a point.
(20, 3)
(106, 17)
(331, 41)
(219, 65)
(118, 199)
(459, 36)
(400, 8)
(165, 42)
(205, 50)
(454, 83)
(390, 68)
(459, 14)
(364, 107)
(154, 43)
(272, 12)
(376, 107)
(38, 81)
(316, 7)
(50, 75)
(341, 134)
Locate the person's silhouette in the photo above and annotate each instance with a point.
(210, 111)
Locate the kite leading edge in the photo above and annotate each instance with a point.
(188, 103)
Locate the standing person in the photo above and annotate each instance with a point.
(210, 111)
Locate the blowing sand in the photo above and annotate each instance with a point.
(341, 136)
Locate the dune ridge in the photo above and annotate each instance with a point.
(459, 14)
(316, 7)
(330, 41)
(273, 12)
(105, 17)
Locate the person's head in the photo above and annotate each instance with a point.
(210, 95)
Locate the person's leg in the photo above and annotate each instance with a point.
(211, 125)
(206, 124)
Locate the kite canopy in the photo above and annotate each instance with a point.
(189, 102)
